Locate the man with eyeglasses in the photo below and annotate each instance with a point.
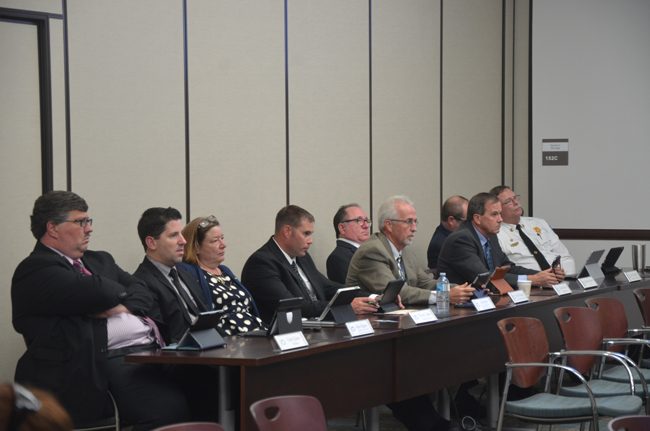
(352, 227)
(386, 257)
(529, 241)
(79, 314)
(474, 248)
(452, 214)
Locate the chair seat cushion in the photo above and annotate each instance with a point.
(599, 387)
(619, 374)
(546, 405)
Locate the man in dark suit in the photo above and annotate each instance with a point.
(282, 268)
(352, 227)
(178, 299)
(474, 248)
(79, 314)
(452, 214)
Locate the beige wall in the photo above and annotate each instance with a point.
(362, 118)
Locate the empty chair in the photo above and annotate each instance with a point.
(192, 426)
(617, 335)
(630, 423)
(527, 347)
(583, 334)
(642, 295)
(289, 412)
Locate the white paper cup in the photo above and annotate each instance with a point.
(525, 286)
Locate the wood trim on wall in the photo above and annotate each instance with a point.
(605, 234)
(41, 21)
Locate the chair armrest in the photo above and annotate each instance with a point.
(573, 371)
(622, 359)
(636, 331)
(625, 341)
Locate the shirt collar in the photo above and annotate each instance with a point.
(164, 269)
(396, 253)
(289, 258)
(69, 259)
(481, 237)
(349, 241)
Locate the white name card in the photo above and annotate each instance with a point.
(357, 328)
(562, 289)
(423, 316)
(291, 340)
(518, 296)
(482, 304)
(587, 282)
(632, 276)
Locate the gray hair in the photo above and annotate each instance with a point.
(388, 211)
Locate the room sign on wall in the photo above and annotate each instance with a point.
(555, 152)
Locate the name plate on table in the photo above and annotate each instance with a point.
(358, 328)
(482, 304)
(587, 282)
(562, 289)
(518, 296)
(632, 276)
(291, 340)
(423, 316)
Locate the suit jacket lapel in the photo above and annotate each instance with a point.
(191, 284)
(389, 251)
(274, 249)
(477, 243)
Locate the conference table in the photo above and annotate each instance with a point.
(399, 361)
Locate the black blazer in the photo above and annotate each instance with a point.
(268, 276)
(170, 315)
(339, 260)
(52, 305)
(462, 257)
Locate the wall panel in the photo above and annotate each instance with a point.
(127, 115)
(237, 128)
(20, 167)
(471, 96)
(405, 82)
(328, 111)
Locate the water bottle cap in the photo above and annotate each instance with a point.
(442, 274)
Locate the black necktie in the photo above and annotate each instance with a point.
(301, 282)
(189, 302)
(539, 257)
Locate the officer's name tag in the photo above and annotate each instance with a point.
(292, 340)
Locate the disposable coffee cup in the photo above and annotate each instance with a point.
(524, 286)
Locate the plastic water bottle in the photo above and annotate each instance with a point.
(442, 294)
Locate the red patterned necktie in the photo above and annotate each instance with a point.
(80, 268)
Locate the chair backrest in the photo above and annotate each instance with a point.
(642, 295)
(630, 423)
(525, 340)
(289, 412)
(192, 426)
(581, 330)
(613, 321)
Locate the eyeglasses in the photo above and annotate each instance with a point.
(459, 218)
(25, 404)
(208, 221)
(408, 221)
(359, 220)
(511, 200)
(82, 222)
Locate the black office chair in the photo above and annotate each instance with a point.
(109, 423)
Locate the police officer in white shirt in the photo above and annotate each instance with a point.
(529, 241)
